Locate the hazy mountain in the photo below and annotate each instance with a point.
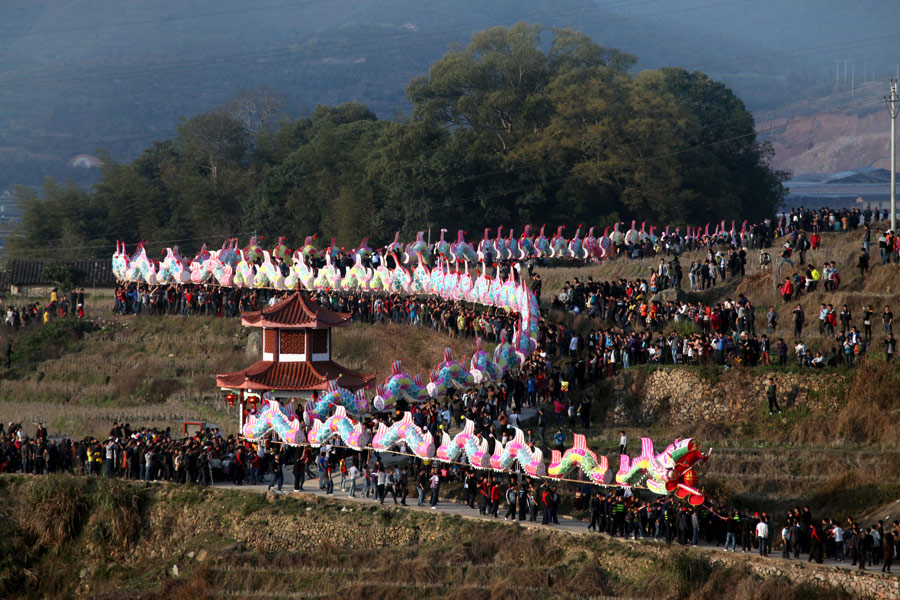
(76, 76)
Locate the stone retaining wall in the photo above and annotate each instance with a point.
(682, 395)
(862, 584)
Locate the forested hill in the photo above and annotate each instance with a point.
(78, 75)
(508, 130)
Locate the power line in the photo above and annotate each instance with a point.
(837, 46)
(160, 20)
(272, 57)
(531, 187)
(140, 135)
(153, 242)
(536, 186)
(527, 187)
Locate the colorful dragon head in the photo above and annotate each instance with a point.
(281, 251)
(253, 252)
(274, 417)
(462, 250)
(400, 385)
(441, 247)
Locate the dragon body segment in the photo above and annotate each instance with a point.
(672, 470)
(273, 417)
(420, 442)
(341, 426)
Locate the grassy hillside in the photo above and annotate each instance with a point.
(839, 461)
(878, 288)
(68, 537)
(155, 371)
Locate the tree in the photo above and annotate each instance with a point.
(213, 140)
(62, 274)
(257, 109)
(523, 125)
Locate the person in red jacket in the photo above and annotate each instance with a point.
(485, 492)
(787, 290)
(545, 504)
(495, 498)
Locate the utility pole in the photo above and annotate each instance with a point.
(893, 104)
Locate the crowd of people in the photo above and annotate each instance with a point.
(60, 305)
(207, 457)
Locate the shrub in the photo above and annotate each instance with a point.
(117, 518)
(50, 340)
(680, 573)
(56, 508)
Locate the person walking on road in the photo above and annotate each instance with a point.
(762, 536)
(435, 483)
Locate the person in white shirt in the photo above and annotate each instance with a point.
(786, 541)
(762, 535)
(838, 533)
(435, 483)
(623, 442)
(353, 473)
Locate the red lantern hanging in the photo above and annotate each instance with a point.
(252, 400)
(231, 398)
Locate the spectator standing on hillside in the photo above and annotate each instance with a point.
(887, 319)
(771, 396)
(867, 322)
(542, 426)
(771, 320)
(559, 440)
(787, 290)
(782, 350)
(844, 317)
(799, 318)
(862, 263)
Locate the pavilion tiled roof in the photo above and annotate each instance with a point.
(91, 272)
(296, 311)
(270, 375)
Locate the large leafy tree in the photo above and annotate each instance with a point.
(523, 125)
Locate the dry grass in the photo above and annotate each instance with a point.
(55, 510)
(375, 347)
(157, 370)
(453, 558)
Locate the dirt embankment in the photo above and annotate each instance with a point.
(112, 538)
(829, 142)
